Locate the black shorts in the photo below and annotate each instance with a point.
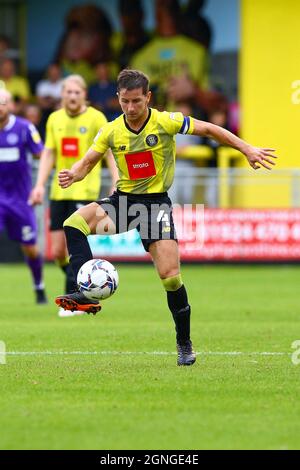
(61, 210)
(150, 214)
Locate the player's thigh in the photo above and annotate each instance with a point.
(97, 219)
(165, 255)
(58, 214)
(21, 223)
(58, 244)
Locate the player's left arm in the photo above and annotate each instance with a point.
(256, 156)
(111, 165)
(80, 169)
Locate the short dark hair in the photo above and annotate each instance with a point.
(132, 79)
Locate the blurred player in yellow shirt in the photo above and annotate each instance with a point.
(69, 134)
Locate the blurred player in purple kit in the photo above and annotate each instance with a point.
(18, 138)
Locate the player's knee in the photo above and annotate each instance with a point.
(58, 252)
(31, 251)
(172, 282)
(168, 272)
(78, 222)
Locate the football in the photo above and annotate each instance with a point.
(97, 279)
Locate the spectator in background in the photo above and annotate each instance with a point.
(185, 88)
(48, 94)
(183, 187)
(103, 94)
(6, 48)
(218, 117)
(86, 41)
(33, 113)
(171, 54)
(234, 116)
(133, 36)
(195, 25)
(18, 86)
(48, 90)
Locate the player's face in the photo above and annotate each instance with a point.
(73, 97)
(5, 107)
(134, 103)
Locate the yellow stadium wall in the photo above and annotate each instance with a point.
(269, 69)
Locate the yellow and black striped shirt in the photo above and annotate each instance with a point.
(70, 137)
(145, 158)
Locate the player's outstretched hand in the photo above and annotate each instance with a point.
(258, 157)
(65, 178)
(37, 195)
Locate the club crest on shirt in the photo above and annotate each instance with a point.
(12, 138)
(82, 130)
(151, 140)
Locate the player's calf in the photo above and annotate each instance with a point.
(181, 312)
(40, 296)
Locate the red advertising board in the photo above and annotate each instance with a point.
(215, 235)
(245, 235)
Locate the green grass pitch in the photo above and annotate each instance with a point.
(122, 388)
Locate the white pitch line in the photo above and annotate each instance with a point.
(141, 353)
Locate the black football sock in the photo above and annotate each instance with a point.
(78, 248)
(181, 311)
(71, 283)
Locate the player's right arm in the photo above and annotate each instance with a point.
(80, 169)
(47, 162)
(256, 156)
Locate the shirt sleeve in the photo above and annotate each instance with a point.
(101, 120)
(50, 142)
(34, 141)
(100, 143)
(23, 88)
(177, 123)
